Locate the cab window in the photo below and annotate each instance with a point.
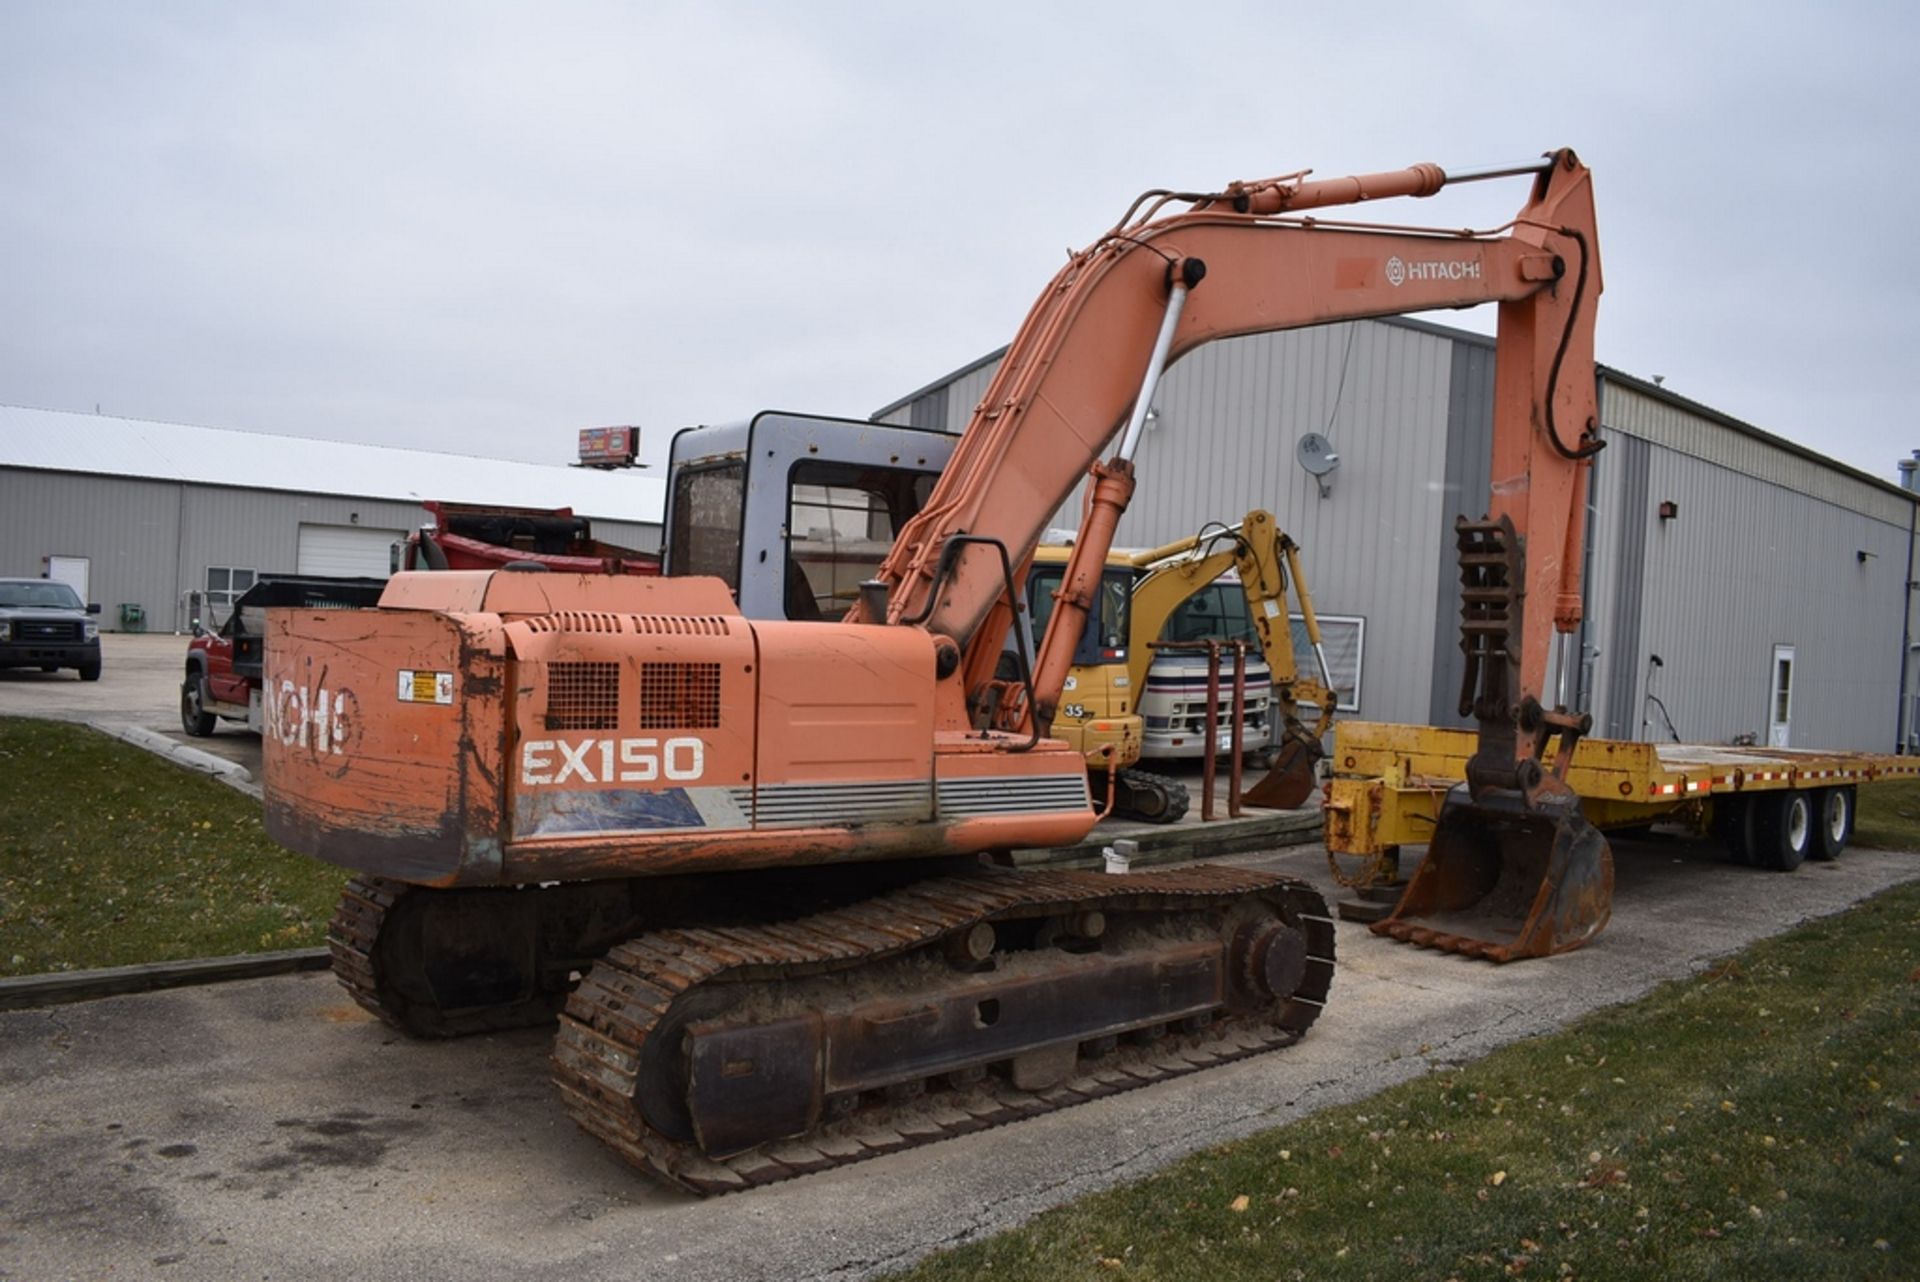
(1216, 612)
(842, 519)
(708, 504)
(1104, 639)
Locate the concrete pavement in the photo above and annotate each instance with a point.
(139, 687)
(268, 1129)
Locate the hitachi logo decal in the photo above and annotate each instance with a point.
(320, 720)
(1399, 271)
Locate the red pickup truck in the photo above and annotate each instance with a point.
(225, 668)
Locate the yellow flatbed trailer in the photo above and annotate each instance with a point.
(1772, 807)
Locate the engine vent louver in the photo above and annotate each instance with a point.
(583, 696)
(642, 624)
(679, 696)
(680, 625)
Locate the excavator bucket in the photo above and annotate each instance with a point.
(1291, 780)
(1502, 880)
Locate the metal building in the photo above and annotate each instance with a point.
(1771, 582)
(149, 518)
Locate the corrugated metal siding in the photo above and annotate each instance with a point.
(1671, 426)
(150, 542)
(1746, 566)
(1624, 466)
(1764, 549)
(1230, 415)
(963, 394)
(1469, 476)
(628, 534)
(930, 411)
(260, 530)
(128, 531)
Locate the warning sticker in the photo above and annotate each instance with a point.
(425, 687)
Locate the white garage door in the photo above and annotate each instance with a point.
(346, 550)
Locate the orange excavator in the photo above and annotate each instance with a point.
(759, 867)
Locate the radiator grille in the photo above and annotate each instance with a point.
(679, 696)
(583, 696)
(820, 805)
(1035, 794)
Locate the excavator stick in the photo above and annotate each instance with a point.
(1514, 869)
(1505, 880)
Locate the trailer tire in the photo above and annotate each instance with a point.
(1782, 830)
(1833, 822)
(1732, 817)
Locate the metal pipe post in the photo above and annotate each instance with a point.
(1213, 731)
(1239, 711)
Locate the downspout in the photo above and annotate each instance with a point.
(182, 609)
(1907, 466)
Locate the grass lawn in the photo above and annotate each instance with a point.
(111, 856)
(1760, 1121)
(1889, 818)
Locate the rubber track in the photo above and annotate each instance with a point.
(597, 1051)
(364, 907)
(356, 923)
(1179, 798)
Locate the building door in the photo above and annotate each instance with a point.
(1780, 709)
(346, 550)
(70, 570)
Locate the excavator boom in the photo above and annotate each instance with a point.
(1236, 263)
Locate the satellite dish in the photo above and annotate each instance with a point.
(1317, 456)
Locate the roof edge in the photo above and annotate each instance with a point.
(1608, 373)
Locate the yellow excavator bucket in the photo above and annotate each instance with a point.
(1291, 780)
(1504, 880)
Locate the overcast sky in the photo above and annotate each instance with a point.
(479, 227)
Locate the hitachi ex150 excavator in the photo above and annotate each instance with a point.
(756, 866)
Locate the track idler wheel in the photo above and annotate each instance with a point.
(1504, 880)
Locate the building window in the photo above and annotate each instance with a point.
(225, 584)
(1345, 639)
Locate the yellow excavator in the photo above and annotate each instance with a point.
(1106, 702)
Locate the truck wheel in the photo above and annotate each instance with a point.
(1833, 822)
(194, 717)
(1782, 831)
(90, 671)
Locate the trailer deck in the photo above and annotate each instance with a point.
(1390, 780)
